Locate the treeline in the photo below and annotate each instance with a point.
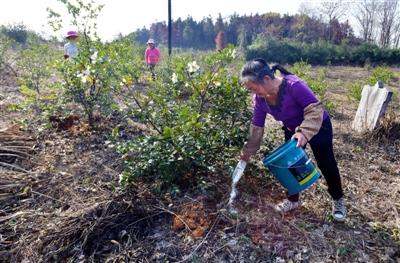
(242, 30)
(322, 53)
(19, 33)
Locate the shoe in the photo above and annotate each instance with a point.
(286, 206)
(339, 210)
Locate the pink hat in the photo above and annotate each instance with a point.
(71, 34)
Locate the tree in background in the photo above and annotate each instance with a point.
(242, 37)
(219, 24)
(332, 12)
(379, 22)
(189, 33)
(207, 25)
(366, 15)
(306, 9)
(17, 32)
(396, 37)
(220, 41)
(387, 19)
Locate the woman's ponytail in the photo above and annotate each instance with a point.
(256, 69)
(281, 69)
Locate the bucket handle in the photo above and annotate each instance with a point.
(286, 167)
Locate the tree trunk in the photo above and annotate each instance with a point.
(373, 104)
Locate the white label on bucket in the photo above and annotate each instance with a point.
(302, 168)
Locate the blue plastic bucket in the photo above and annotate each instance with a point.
(292, 167)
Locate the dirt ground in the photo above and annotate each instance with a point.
(60, 200)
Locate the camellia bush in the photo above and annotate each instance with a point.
(92, 78)
(85, 78)
(199, 119)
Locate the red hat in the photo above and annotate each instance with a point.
(71, 34)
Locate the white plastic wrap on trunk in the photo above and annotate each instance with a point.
(373, 104)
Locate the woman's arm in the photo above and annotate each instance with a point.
(253, 143)
(313, 117)
(313, 112)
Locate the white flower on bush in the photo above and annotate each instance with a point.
(174, 78)
(121, 178)
(123, 82)
(193, 67)
(232, 53)
(84, 75)
(93, 57)
(217, 83)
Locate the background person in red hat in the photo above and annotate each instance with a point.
(151, 56)
(70, 48)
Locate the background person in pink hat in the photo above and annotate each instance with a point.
(151, 56)
(70, 48)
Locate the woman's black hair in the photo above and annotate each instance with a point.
(281, 69)
(256, 69)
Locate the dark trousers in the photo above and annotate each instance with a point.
(151, 67)
(322, 148)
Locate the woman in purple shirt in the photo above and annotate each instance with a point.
(290, 100)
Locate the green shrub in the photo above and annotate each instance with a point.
(127, 60)
(320, 53)
(301, 69)
(199, 117)
(6, 57)
(354, 90)
(34, 64)
(381, 73)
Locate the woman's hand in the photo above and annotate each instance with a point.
(244, 157)
(301, 139)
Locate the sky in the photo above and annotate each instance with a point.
(125, 16)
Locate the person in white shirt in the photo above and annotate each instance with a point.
(70, 48)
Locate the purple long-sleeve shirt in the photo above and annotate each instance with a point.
(292, 99)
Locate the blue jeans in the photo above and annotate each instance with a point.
(322, 148)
